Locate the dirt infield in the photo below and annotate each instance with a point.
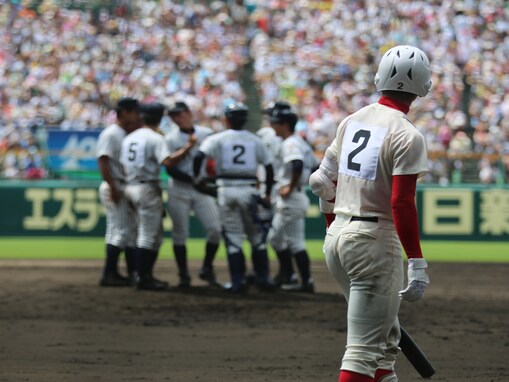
(57, 325)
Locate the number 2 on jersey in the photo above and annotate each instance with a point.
(360, 149)
(239, 151)
(365, 135)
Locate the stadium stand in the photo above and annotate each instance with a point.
(65, 67)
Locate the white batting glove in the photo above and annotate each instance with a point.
(418, 280)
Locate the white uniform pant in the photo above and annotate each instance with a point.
(365, 259)
(182, 198)
(120, 218)
(236, 216)
(148, 203)
(288, 224)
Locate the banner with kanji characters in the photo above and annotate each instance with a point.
(58, 208)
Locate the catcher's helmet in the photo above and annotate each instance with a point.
(236, 113)
(404, 68)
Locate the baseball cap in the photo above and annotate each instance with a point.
(278, 105)
(127, 103)
(284, 116)
(178, 107)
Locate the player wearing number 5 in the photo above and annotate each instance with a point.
(237, 154)
(371, 170)
(143, 153)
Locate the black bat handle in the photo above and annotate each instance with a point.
(415, 355)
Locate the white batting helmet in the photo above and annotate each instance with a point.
(404, 68)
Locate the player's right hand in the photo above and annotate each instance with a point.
(418, 280)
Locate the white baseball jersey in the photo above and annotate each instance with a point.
(109, 145)
(371, 146)
(143, 152)
(237, 154)
(176, 139)
(120, 222)
(183, 198)
(293, 148)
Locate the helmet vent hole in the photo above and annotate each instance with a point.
(412, 56)
(394, 72)
(422, 58)
(409, 74)
(397, 53)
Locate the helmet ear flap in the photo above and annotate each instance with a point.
(377, 79)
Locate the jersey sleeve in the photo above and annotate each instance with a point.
(104, 145)
(170, 142)
(161, 149)
(263, 156)
(410, 156)
(292, 151)
(209, 146)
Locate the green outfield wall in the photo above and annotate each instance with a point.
(65, 208)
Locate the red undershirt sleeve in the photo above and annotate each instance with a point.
(404, 213)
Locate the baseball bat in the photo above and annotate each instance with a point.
(415, 355)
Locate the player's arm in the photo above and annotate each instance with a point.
(323, 182)
(180, 154)
(410, 160)
(269, 180)
(297, 166)
(104, 167)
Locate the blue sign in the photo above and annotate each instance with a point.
(72, 150)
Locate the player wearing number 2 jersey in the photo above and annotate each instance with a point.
(371, 170)
(237, 154)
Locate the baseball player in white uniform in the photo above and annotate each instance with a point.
(293, 167)
(237, 154)
(120, 224)
(369, 174)
(273, 144)
(185, 197)
(143, 153)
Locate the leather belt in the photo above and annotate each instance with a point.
(372, 219)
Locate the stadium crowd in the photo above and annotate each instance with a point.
(322, 55)
(67, 67)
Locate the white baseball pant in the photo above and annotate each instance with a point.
(120, 218)
(182, 198)
(146, 199)
(288, 224)
(365, 258)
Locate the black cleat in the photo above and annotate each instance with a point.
(208, 275)
(184, 282)
(308, 287)
(238, 289)
(282, 279)
(266, 286)
(114, 279)
(151, 283)
(251, 278)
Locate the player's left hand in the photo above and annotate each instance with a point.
(285, 191)
(418, 280)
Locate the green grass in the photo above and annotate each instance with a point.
(93, 248)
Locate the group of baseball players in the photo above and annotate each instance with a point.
(366, 184)
(214, 175)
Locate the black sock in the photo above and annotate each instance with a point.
(302, 260)
(237, 266)
(261, 264)
(129, 259)
(180, 252)
(144, 262)
(285, 262)
(152, 258)
(112, 255)
(210, 254)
